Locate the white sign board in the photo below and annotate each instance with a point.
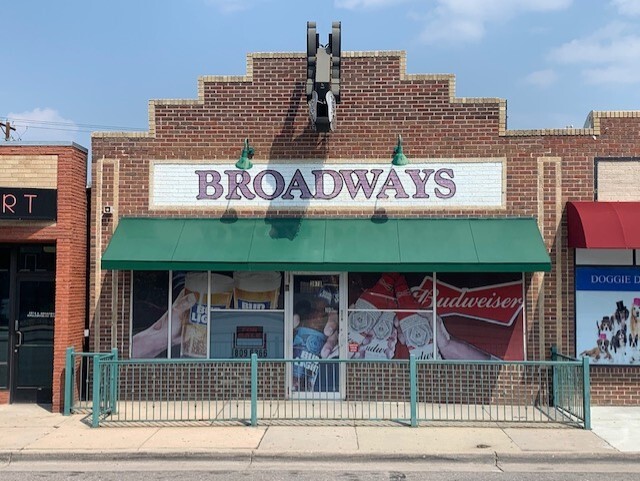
(476, 183)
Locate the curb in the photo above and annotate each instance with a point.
(489, 457)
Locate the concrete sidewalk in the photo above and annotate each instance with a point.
(30, 431)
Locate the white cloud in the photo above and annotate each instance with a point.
(461, 21)
(355, 4)
(627, 7)
(542, 78)
(45, 125)
(609, 55)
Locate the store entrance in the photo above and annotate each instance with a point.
(315, 319)
(33, 347)
(27, 312)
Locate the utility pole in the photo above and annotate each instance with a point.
(7, 130)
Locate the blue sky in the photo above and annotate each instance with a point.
(72, 66)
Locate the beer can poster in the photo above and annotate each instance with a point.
(479, 316)
(608, 314)
(171, 316)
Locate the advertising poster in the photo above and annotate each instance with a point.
(316, 302)
(479, 316)
(608, 314)
(150, 315)
(246, 315)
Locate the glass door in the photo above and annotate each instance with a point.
(33, 346)
(316, 337)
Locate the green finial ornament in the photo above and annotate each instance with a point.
(398, 156)
(244, 162)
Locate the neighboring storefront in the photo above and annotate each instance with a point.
(323, 248)
(606, 237)
(43, 246)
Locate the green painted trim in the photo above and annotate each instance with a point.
(69, 376)
(124, 265)
(554, 386)
(586, 395)
(413, 387)
(113, 383)
(95, 409)
(254, 389)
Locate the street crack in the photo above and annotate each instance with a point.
(496, 461)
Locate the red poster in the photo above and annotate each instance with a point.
(477, 316)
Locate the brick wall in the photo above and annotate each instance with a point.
(544, 168)
(64, 167)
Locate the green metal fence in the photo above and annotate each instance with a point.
(83, 372)
(518, 392)
(410, 392)
(571, 387)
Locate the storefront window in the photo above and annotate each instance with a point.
(189, 318)
(37, 258)
(5, 257)
(477, 316)
(213, 315)
(247, 314)
(608, 314)
(150, 315)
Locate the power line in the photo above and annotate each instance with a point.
(71, 124)
(69, 130)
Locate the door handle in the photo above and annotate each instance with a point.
(19, 335)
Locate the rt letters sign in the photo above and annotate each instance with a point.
(28, 204)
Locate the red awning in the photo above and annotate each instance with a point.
(604, 225)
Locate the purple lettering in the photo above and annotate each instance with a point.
(206, 179)
(446, 183)
(362, 183)
(419, 182)
(393, 182)
(337, 184)
(239, 180)
(277, 179)
(298, 183)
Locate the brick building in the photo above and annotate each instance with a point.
(43, 266)
(339, 250)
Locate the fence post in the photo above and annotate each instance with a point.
(69, 379)
(586, 395)
(95, 410)
(254, 389)
(413, 381)
(113, 379)
(554, 388)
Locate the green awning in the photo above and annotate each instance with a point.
(352, 245)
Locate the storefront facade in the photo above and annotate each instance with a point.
(325, 250)
(605, 234)
(43, 246)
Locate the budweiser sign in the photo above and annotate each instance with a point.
(475, 183)
(497, 304)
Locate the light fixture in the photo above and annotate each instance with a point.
(398, 156)
(244, 161)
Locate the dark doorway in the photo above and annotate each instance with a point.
(27, 318)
